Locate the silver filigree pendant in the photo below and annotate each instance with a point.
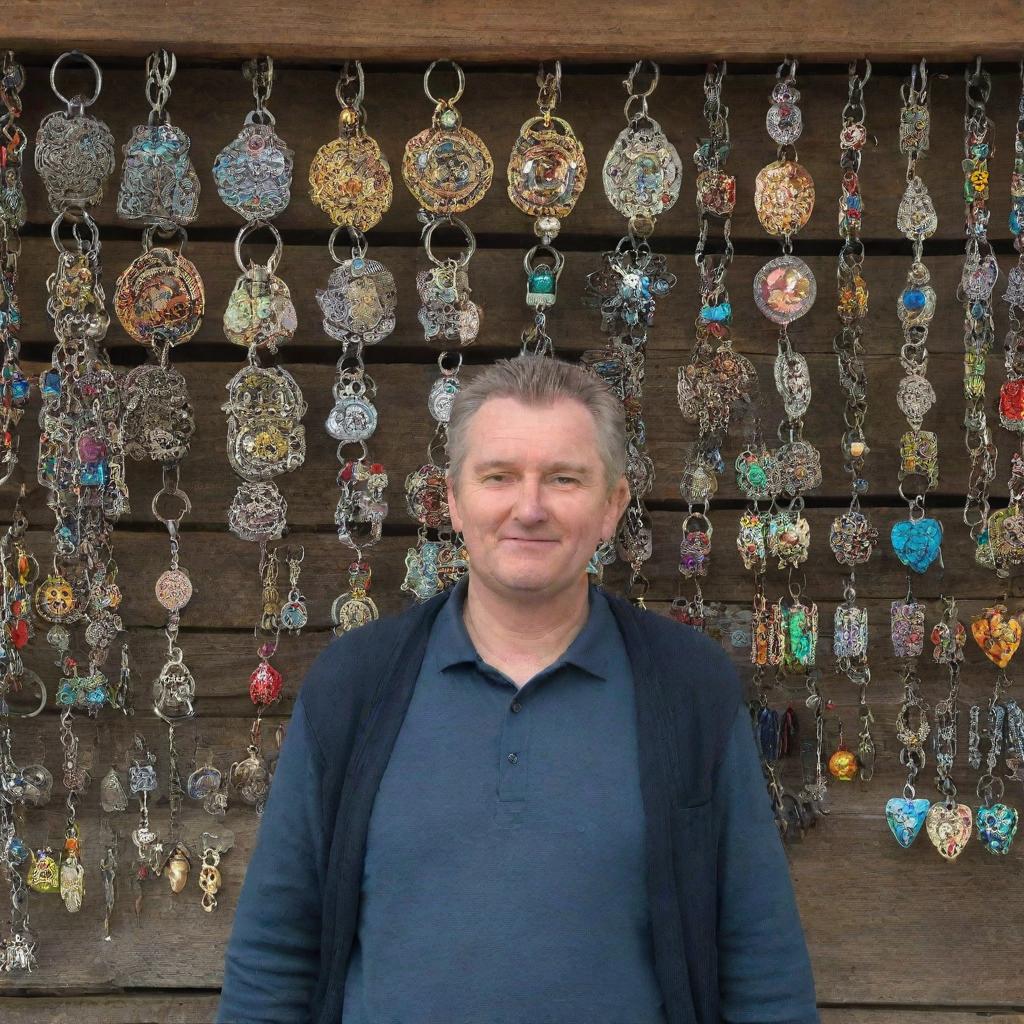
(359, 302)
(793, 381)
(253, 172)
(74, 157)
(642, 172)
(916, 217)
(159, 185)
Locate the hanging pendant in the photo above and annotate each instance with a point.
(426, 495)
(546, 170)
(113, 798)
(250, 778)
(72, 874)
(906, 817)
(258, 512)
(850, 635)
(799, 464)
(447, 313)
(757, 473)
(157, 418)
(949, 828)
(74, 152)
(159, 185)
(359, 302)
(799, 624)
(766, 634)
(793, 382)
(784, 289)
(997, 825)
(997, 634)
(177, 867)
(751, 541)
(434, 566)
(783, 197)
(917, 542)
(159, 298)
(907, 628)
(789, 538)
(361, 503)
(852, 538)
(695, 547)
(260, 312)
(43, 873)
(642, 172)
(355, 608)
(353, 417)
(916, 217)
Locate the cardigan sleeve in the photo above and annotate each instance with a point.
(764, 970)
(273, 956)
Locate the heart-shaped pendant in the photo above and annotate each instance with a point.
(949, 828)
(997, 634)
(905, 817)
(997, 825)
(917, 542)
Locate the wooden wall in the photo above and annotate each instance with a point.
(895, 934)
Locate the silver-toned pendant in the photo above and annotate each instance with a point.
(433, 566)
(1014, 293)
(793, 381)
(979, 276)
(442, 396)
(785, 289)
(253, 172)
(784, 120)
(260, 312)
(850, 636)
(361, 503)
(74, 157)
(359, 302)
(447, 313)
(113, 798)
(258, 512)
(159, 185)
(916, 217)
(353, 417)
(157, 420)
(915, 396)
(174, 690)
(642, 172)
(799, 467)
(250, 778)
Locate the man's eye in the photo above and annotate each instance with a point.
(566, 479)
(494, 477)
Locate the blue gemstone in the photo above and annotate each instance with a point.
(1016, 222)
(917, 542)
(51, 383)
(914, 299)
(722, 313)
(19, 388)
(978, 310)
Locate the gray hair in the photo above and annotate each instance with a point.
(540, 380)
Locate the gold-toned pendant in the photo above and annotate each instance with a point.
(547, 169)
(72, 874)
(949, 828)
(446, 167)
(177, 867)
(160, 298)
(783, 197)
(350, 179)
(43, 873)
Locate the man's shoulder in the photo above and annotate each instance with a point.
(348, 668)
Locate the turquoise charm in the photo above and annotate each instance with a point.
(905, 817)
(917, 542)
(997, 825)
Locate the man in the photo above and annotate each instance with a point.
(524, 801)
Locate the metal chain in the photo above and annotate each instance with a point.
(161, 66)
(975, 292)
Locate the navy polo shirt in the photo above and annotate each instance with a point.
(504, 876)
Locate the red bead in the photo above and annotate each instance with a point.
(1011, 401)
(265, 684)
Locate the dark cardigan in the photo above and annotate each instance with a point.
(687, 696)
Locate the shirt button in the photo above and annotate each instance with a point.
(516, 706)
(513, 759)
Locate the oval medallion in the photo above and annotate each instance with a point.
(359, 302)
(159, 298)
(173, 589)
(447, 169)
(352, 419)
(253, 173)
(547, 169)
(642, 172)
(350, 180)
(783, 197)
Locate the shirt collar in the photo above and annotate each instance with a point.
(589, 650)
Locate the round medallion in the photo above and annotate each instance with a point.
(159, 298)
(173, 589)
(716, 192)
(783, 197)
(547, 169)
(642, 172)
(265, 445)
(350, 180)
(260, 312)
(352, 419)
(447, 170)
(349, 612)
(784, 289)
(55, 600)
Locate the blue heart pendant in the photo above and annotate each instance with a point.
(997, 825)
(905, 818)
(917, 542)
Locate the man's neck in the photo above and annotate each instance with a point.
(522, 637)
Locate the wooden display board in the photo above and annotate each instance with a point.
(895, 935)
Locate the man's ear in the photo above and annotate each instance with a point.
(453, 509)
(617, 502)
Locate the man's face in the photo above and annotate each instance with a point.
(532, 501)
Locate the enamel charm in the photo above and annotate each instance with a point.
(949, 828)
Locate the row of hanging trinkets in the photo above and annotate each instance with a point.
(350, 180)
(717, 379)
(642, 177)
(448, 170)
(265, 405)
(546, 175)
(160, 302)
(852, 538)
(81, 453)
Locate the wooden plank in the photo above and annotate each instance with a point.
(405, 429)
(497, 103)
(497, 281)
(306, 31)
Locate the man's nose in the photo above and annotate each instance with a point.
(529, 507)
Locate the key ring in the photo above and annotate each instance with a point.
(428, 234)
(347, 78)
(85, 218)
(557, 257)
(79, 102)
(248, 229)
(356, 237)
(451, 101)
